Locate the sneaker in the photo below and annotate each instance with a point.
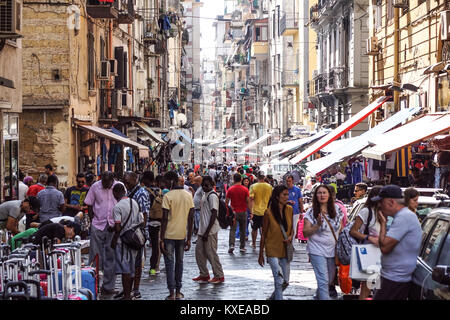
(332, 291)
(201, 279)
(152, 272)
(136, 295)
(231, 249)
(217, 280)
(243, 250)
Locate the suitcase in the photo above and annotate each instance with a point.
(88, 281)
(300, 235)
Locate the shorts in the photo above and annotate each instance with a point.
(125, 259)
(257, 222)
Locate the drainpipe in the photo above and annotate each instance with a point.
(130, 70)
(110, 56)
(396, 56)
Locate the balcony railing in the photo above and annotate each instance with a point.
(289, 78)
(338, 78)
(102, 10)
(289, 21)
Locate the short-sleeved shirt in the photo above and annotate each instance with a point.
(142, 197)
(260, 192)
(179, 202)
(102, 202)
(238, 195)
(121, 211)
(322, 243)
(10, 209)
(75, 197)
(400, 263)
(23, 189)
(50, 199)
(51, 231)
(209, 202)
(34, 189)
(198, 198)
(374, 225)
(295, 194)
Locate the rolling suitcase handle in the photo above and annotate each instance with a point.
(18, 295)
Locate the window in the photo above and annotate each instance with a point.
(426, 227)
(390, 10)
(444, 258)
(378, 14)
(260, 33)
(431, 249)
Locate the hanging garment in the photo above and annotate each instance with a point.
(357, 172)
(348, 175)
(390, 161)
(402, 163)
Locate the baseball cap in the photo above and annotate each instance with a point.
(389, 191)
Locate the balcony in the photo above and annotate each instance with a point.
(150, 33)
(289, 24)
(289, 79)
(126, 14)
(314, 14)
(260, 49)
(102, 10)
(318, 85)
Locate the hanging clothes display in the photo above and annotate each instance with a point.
(357, 172)
(348, 175)
(402, 163)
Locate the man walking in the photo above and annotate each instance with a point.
(399, 246)
(260, 193)
(238, 195)
(136, 192)
(178, 216)
(75, 196)
(126, 216)
(206, 248)
(295, 199)
(51, 200)
(101, 201)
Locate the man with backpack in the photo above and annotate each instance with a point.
(206, 248)
(154, 219)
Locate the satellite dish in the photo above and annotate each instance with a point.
(181, 119)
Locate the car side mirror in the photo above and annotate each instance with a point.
(441, 274)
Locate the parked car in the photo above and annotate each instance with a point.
(429, 280)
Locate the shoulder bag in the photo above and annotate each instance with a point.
(133, 238)
(289, 246)
(335, 238)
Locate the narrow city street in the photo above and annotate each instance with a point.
(245, 279)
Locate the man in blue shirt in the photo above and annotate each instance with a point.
(399, 246)
(51, 200)
(295, 200)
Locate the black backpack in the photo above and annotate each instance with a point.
(225, 216)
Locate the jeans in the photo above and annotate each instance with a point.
(280, 270)
(154, 240)
(173, 260)
(196, 219)
(241, 219)
(324, 269)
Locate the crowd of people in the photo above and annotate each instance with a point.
(170, 210)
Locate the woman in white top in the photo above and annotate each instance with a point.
(367, 231)
(322, 239)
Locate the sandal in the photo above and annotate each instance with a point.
(170, 297)
(179, 296)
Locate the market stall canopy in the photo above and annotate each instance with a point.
(185, 137)
(152, 134)
(337, 144)
(229, 145)
(246, 153)
(143, 150)
(257, 141)
(412, 132)
(339, 131)
(349, 147)
(288, 145)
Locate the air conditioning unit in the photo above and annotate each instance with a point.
(10, 18)
(372, 46)
(105, 70)
(445, 25)
(400, 3)
(113, 67)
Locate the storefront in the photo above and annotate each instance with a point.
(10, 159)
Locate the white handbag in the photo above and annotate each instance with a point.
(365, 262)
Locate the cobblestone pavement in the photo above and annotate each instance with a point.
(245, 279)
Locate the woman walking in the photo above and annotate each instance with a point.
(322, 226)
(277, 223)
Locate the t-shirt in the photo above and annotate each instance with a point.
(400, 263)
(209, 201)
(23, 189)
(294, 194)
(238, 195)
(260, 192)
(374, 225)
(10, 209)
(322, 243)
(51, 231)
(121, 211)
(178, 202)
(34, 190)
(75, 196)
(50, 199)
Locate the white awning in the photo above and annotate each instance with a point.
(339, 131)
(289, 145)
(412, 132)
(257, 141)
(143, 150)
(336, 145)
(349, 147)
(152, 134)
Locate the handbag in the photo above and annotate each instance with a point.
(288, 244)
(133, 238)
